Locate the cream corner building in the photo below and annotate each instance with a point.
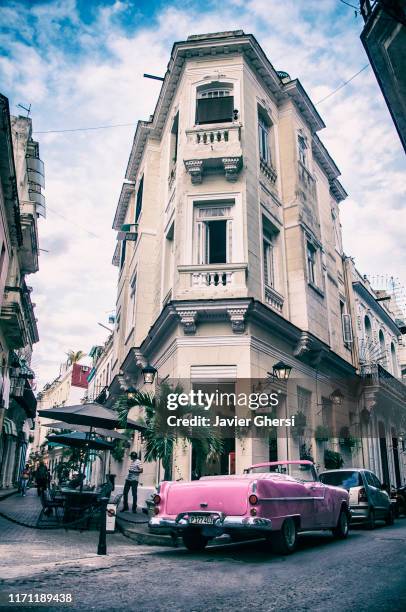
(229, 249)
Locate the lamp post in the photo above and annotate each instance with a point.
(337, 397)
(281, 371)
(149, 373)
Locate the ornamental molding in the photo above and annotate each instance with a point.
(237, 319)
(188, 320)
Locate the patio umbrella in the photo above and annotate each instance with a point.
(99, 431)
(92, 415)
(79, 439)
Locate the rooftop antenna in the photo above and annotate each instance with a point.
(27, 110)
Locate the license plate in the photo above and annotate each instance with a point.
(200, 519)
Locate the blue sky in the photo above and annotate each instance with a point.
(81, 64)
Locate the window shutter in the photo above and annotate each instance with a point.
(214, 110)
(138, 207)
(347, 328)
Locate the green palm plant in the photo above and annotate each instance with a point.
(74, 356)
(160, 439)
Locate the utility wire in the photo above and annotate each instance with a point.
(342, 85)
(356, 8)
(85, 129)
(106, 127)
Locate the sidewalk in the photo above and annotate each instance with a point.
(4, 493)
(135, 527)
(25, 550)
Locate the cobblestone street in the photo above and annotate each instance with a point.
(25, 550)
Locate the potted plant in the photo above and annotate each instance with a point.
(300, 424)
(306, 452)
(322, 433)
(346, 440)
(332, 460)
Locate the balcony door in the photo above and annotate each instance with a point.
(213, 234)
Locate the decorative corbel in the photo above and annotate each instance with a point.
(237, 319)
(195, 168)
(188, 320)
(232, 167)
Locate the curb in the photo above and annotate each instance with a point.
(146, 538)
(4, 496)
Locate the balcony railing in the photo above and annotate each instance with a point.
(216, 138)
(35, 169)
(218, 278)
(376, 375)
(273, 299)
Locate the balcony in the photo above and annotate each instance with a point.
(36, 182)
(213, 149)
(17, 317)
(375, 375)
(213, 280)
(36, 173)
(273, 299)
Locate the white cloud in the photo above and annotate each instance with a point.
(97, 80)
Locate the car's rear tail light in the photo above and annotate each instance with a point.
(157, 499)
(253, 512)
(362, 495)
(253, 499)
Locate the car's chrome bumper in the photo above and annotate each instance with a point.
(221, 523)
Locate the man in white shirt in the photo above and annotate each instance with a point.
(131, 482)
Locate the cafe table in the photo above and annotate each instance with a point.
(77, 503)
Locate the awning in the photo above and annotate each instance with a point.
(9, 427)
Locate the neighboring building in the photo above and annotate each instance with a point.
(21, 203)
(384, 40)
(383, 395)
(68, 389)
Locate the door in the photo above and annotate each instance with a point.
(319, 492)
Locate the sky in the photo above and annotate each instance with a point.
(80, 64)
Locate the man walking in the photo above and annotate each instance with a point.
(131, 482)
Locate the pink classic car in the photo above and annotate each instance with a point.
(272, 500)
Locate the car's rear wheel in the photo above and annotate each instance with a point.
(194, 541)
(390, 517)
(370, 524)
(284, 541)
(340, 531)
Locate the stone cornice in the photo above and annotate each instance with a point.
(126, 192)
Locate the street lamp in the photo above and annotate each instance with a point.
(149, 373)
(281, 370)
(337, 397)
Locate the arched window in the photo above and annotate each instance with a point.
(393, 359)
(214, 103)
(382, 348)
(368, 341)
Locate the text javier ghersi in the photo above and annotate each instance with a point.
(206, 401)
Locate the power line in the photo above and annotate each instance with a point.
(85, 129)
(342, 85)
(356, 8)
(116, 125)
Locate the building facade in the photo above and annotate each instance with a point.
(230, 257)
(21, 203)
(68, 389)
(384, 40)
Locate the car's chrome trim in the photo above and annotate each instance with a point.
(309, 498)
(221, 522)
